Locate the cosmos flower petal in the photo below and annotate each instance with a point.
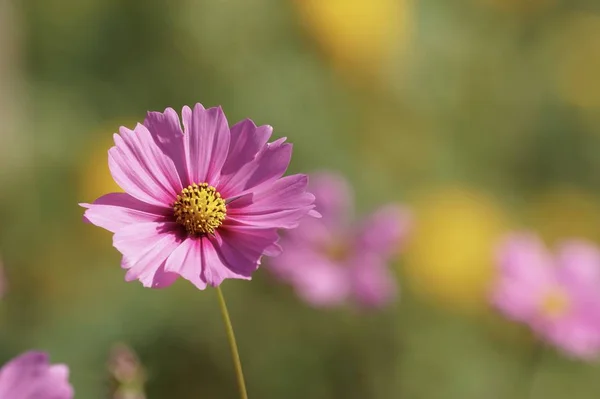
(246, 142)
(385, 230)
(186, 119)
(579, 260)
(574, 338)
(141, 169)
(280, 205)
(30, 376)
(313, 232)
(168, 136)
(293, 259)
(526, 270)
(524, 255)
(158, 163)
(323, 284)
(333, 199)
(215, 268)
(149, 268)
(251, 240)
(148, 265)
(135, 240)
(162, 278)
(59, 371)
(117, 210)
(258, 240)
(373, 283)
(207, 139)
(269, 165)
(186, 261)
(516, 300)
(241, 248)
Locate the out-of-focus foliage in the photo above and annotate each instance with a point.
(565, 212)
(578, 56)
(518, 6)
(496, 99)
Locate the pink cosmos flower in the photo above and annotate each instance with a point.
(31, 376)
(330, 260)
(558, 297)
(203, 202)
(127, 373)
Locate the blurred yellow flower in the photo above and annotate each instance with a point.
(577, 59)
(450, 260)
(358, 35)
(564, 212)
(95, 178)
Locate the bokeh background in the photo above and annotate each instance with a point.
(482, 115)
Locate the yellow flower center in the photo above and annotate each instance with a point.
(337, 251)
(200, 209)
(555, 303)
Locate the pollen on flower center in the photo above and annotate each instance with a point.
(337, 250)
(555, 303)
(200, 209)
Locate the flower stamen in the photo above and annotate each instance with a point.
(200, 209)
(337, 250)
(555, 303)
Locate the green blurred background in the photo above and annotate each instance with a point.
(482, 115)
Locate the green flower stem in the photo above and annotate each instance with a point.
(233, 345)
(528, 381)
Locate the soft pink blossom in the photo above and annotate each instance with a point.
(203, 201)
(127, 372)
(31, 376)
(333, 260)
(557, 296)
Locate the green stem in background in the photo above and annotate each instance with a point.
(233, 345)
(532, 368)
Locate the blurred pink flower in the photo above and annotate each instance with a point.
(203, 202)
(30, 376)
(330, 261)
(127, 372)
(558, 297)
